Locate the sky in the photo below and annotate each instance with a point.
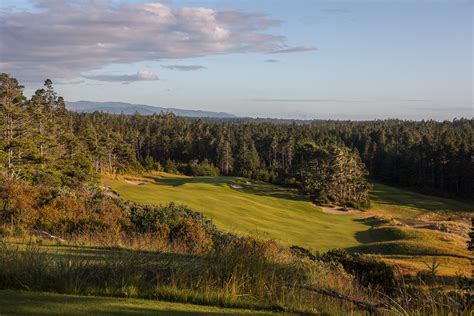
(299, 59)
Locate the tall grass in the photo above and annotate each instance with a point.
(247, 273)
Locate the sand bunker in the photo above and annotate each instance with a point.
(134, 181)
(338, 210)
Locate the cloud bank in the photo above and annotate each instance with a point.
(142, 75)
(62, 39)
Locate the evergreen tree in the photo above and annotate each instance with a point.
(13, 126)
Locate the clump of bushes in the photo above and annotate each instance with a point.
(149, 164)
(368, 270)
(171, 166)
(88, 212)
(201, 169)
(56, 210)
(177, 223)
(182, 227)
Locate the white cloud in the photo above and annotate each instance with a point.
(146, 74)
(62, 39)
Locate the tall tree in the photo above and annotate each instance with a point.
(13, 124)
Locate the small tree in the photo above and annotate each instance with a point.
(333, 173)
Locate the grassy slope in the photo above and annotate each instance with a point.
(263, 209)
(290, 218)
(35, 303)
(411, 248)
(387, 200)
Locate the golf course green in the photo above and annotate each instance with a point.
(239, 207)
(245, 207)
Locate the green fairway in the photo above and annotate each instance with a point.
(279, 213)
(262, 209)
(35, 303)
(398, 202)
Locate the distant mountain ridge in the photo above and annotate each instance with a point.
(129, 108)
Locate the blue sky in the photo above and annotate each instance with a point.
(292, 59)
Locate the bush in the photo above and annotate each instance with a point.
(87, 212)
(151, 165)
(194, 168)
(191, 236)
(171, 167)
(265, 176)
(367, 269)
(185, 229)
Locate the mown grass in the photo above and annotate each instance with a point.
(387, 200)
(409, 241)
(261, 209)
(291, 219)
(39, 303)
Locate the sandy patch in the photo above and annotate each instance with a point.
(337, 210)
(236, 186)
(134, 181)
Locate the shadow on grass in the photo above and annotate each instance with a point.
(386, 195)
(256, 188)
(91, 253)
(35, 303)
(175, 182)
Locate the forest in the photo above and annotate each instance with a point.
(429, 156)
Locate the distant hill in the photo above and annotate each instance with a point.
(129, 108)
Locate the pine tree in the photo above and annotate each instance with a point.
(13, 125)
(224, 155)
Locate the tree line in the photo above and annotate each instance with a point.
(432, 157)
(42, 141)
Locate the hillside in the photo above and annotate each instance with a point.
(261, 209)
(129, 108)
(400, 225)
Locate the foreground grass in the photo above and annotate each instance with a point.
(262, 209)
(248, 275)
(38, 303)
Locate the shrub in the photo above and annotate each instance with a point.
(171, 167)
(191, 236)
(205, 168)
(186, 229)
(367, 269)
